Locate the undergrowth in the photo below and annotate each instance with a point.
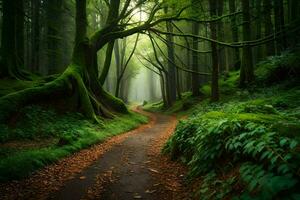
(247, 145)
(63, 134)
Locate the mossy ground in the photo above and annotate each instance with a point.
(39, 136)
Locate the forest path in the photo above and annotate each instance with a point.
(131, 169)
(126, 166)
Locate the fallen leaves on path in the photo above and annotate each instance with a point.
(168, 174)
(50, 179)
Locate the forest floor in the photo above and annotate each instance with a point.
(127, 166)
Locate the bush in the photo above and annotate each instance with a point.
(244, 136)
(278, 68)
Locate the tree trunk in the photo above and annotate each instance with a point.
(54, 13)
(215, 62)
(279, 25)
(294, 14)
(20, 32)
(171, 68)
(234, 30)
(247, 71)
(195, 61)
(267, 7)
(112, 15)
(106, 66)
(258, 7)
(35, 35)
(78, 81)
(12, 57)
(220, 36)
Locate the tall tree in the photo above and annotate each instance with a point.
(279, 26)
(220, 35)
(111, 20)
(12, 39)
(247, 71)
(215, 61)
(234, 30)
(267, 10)
(35, 38)
(258, 28)
(195, 61)
(171, 60)
(19, 32)
(54, 14)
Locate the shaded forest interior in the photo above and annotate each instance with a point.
(71, 70)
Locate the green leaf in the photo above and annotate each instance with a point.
(293, 144)
(283, 142)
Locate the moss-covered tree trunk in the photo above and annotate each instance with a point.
(78, 81)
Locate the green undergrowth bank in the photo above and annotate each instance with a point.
(246, 146)
(42, 136)
(181, 107)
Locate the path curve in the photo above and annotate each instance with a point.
(128, 166)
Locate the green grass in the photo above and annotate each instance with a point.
(66, 133)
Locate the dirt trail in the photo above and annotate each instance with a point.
(125, 167)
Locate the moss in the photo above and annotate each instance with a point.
(62, 87)
(113, 102)
(71, 131)
(214, 115)
(13, 85)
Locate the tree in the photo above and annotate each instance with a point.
(247, 71)
(12, 39)
(215, 62)
(111, 20)
(80, 79)
(195, 63)
(279, 26)
(171, 60)
(35, 40)
(234, 30)
(267, 7)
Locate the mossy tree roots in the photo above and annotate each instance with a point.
(70, 84)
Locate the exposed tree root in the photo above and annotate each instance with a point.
(65, 86)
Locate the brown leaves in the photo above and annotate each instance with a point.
(48, 180)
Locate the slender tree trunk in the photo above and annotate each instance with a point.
(215, 62)
(258, 5)
(234, 30)
(54, 13)
(10, 41)
(294, 14)
(220, 36)
(195, 61)
(162, 87)
(112, 15)
(247, 71)
(20, 32)
(279, 25)
(35, 35)
(267, 9)
(171, 67)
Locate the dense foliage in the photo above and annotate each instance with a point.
(247, 146)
